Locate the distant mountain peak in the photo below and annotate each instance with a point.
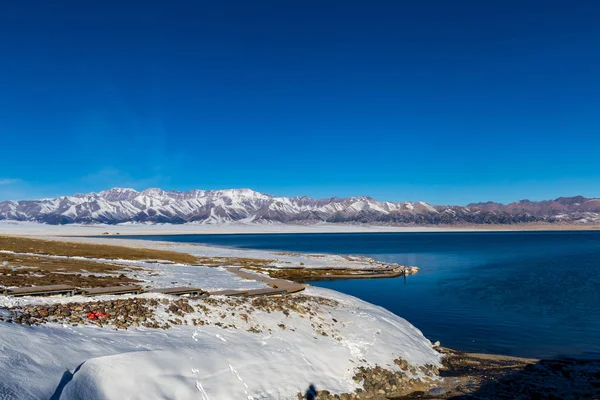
(116, 194)
(154, 205)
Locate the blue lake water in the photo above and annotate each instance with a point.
(530, 294)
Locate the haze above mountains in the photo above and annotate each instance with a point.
(117, 205)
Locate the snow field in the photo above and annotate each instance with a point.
(209, 362)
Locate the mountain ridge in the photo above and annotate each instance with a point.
(154, 205)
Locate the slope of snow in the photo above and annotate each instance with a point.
(55, 361)
(187, 362)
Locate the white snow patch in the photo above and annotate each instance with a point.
(187, 362)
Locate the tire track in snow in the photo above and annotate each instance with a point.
(199, 386)
(237, 375)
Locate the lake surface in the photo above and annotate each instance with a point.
(530, 294)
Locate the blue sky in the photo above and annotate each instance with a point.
(446, 102)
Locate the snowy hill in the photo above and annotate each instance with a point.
(244, 205)
(219, 359)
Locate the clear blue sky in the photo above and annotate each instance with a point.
(442, 101)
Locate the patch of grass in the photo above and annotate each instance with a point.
(234, 261)
(25, 278)
(26, 270)
(66, 265)
(314, 274)
(59, 248)
(287, 253)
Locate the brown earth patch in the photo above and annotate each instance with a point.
(42, 278)
(381, 383)
(484, 376)
(27, 270)
(56, 264)
(287, 253)
(60, 248)
(233, 261)
(480, 376)
(316, 274)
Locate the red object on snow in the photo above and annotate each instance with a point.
(95, 315)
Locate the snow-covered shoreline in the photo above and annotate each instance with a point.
(219, 347)
(137, 229)
(278, 259)
(275, 361)
(241, 349)
(21, 228)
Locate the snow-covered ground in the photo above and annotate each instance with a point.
(275, 258)
(264, 354)
(207, 362)
(34, 228)
(207, 278)
(165, 275)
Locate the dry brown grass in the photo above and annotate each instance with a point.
(313, 274)
(59, 248)
(67, 265)
(41, 277)
(233, 261)
(49, 270)
(43, 270)
(287, 253)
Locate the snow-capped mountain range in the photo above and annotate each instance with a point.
(244, 205)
